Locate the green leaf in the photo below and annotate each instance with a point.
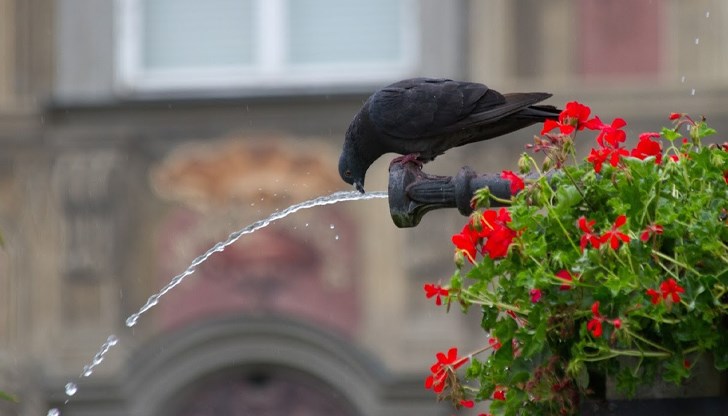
(670, 134)
(704, 130)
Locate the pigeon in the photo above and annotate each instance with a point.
(421, 118)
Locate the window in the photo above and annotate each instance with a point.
(193, 44)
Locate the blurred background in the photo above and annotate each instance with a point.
(135, 134)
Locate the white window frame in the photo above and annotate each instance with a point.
(270, 71)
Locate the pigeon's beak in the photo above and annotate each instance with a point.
(359, 186)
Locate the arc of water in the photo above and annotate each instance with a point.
(233, 237)
(112, 340)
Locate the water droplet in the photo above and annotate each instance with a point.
(332, 226)
(682, 79)
(87, 371)
(71, 389)
(252, 204)
(261, 199)
(306, 224)
(54, 412)
(131, 321)
(337, 237)
(692, 92)
(697, 41)
(112, 340)
(707, 15)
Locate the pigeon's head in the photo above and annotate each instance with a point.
(351, 171)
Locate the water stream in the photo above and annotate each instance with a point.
(71, 387)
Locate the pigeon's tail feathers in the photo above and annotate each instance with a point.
(539, 112)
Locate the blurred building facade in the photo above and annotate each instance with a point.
(136, 134)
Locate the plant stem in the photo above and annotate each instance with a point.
(670, 259)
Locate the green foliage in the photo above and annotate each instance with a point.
(645, 303)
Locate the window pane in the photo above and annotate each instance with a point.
(197, 33)
(344, 31)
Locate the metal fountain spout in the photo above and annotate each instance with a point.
(413, 193)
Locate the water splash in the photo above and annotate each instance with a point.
(53, 412)
(233, 237)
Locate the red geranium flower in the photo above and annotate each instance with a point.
(597, 157)
(611, 133)
(670, 288)
(675, 116)
(445, 363)
(574, 116)
(648, 147)
(651, 229)
(466, 241)
(467, 403)
(535, 295)
(565, 275)
(654, 296)
(516, 181)
(614, 236)
(493, 342)
(435, 290)
(499, 394)
(595, 324)
(589, 237)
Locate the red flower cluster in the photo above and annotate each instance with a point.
(595, 324)
(670, 288)
(613, 236)
(437, 291)
(611, 151)
(446, 364)
(491, 234)
(610, 138)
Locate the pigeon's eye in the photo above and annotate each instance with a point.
(347, 173)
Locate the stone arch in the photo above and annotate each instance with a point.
(171, 365)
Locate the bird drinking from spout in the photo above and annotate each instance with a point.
(421, 118)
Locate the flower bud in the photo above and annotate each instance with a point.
(547, 163)
(459, 259)
(481, 198)
(525, 163)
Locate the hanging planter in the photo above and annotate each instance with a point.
(616, 266)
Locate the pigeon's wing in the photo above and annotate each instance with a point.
(424, 106)
(489, 111)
